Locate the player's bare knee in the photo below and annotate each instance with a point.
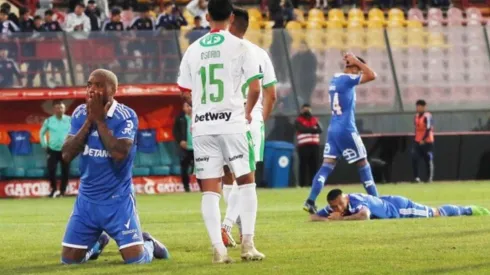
(132, 252)
(246, 179)
(70, 255)
(436, 212)
(361, 163)
(329, 161)
(211, 185)
(228, 178)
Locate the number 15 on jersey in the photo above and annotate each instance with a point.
(334, 101)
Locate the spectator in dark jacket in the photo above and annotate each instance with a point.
(197, 32)
(308, 130)
(183, 137)
(171, 18)
(10, 15)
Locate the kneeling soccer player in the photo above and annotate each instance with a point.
(364, 207)
(103, 132)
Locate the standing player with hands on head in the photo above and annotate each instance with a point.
(343, 139)
(210, 78)
(260, 113)
(103, 132)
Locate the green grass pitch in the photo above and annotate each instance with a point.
(31, 231)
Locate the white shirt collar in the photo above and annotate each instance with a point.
(112, 109)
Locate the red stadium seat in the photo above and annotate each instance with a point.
(455, 17)
(435, 14)
(416, 15)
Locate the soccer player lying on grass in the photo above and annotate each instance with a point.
(103, 132)
(345, 207)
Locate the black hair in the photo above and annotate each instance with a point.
(80, 4)
(4, 11)
(91, 2)
(220, 10)
(333, 194)
(420, 102)
(23, 11)
(167, 4)
(197, 17)
(145, 8)
(57, 102)
(48, 12)
(115, 11)
(5, 6)
(37, 17)
(241, 19)
(306, 105)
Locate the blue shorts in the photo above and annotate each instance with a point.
(88, 220)
(345, 144)
(407, 208)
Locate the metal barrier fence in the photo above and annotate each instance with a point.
(448, 66)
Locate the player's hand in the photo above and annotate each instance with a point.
(248, 117)
(335, 216)
(96, 109)
(350, 59)
(183, 144)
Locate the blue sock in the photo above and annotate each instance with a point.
(145, 257)
(94, 250)
(367, 180)
(454, 210)
(319, 180)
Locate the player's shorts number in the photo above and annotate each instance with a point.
(337, 110)
(213, 97)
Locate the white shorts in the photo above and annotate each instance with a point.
(213, 152)
(257, 130)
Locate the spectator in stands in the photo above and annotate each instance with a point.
(304, 65)
(102, 6)
(26, 22)
(147, 49)
(115, 25)
(8, 27)
(308, 130)
(94, 15)
(183, 137)
(35, 65)
(10, 15)
(424, 141)
(58, 126)
(77, 21)
(51, 25)
(8, 69)
(197, 32)
(171, 18)
(127, 15)
(434, 3)
(199, 8)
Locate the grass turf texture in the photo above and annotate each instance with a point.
(31, 231)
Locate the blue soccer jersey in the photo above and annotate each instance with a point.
(102, 179)
(377, 207)
(20, 143)
(343, 101)
(147, 141)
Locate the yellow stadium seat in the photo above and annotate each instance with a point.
(397, 37)
(396, 15)
(334, 24)
(376, 14)
(268, 25)
(415, 39)
(314, 25)
(314, 39)
(395, 24)
(355, 38)
(266, 39)
(414, 24)
(254, 36)
(254, 25)
(316, 15)
(299, 15)
(375, 38)
(293, 25)
(188, 16)
(436, 40)
(375, 24)
(354, 24)
(356, 15)
(336, 43)
(255, 13)
(336, 15)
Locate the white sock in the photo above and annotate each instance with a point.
(248, 210)
(226, 192)
(212, 217)
(232, 210)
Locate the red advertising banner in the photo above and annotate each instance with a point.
(32, 188)
(80, 92)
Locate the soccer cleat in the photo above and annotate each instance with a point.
(250, 253)
(221, 258)
(479, 211)
(103, 241)
(227, 238)
(159, 249)
(309, 207)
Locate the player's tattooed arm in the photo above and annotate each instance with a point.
(74, 145)
(118, 148)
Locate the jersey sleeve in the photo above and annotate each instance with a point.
(269, 73)
(77, 119)
(127, 128)
(351, 80)
(357, 204)
(185, 78)
(251, 67)
(325, 212)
